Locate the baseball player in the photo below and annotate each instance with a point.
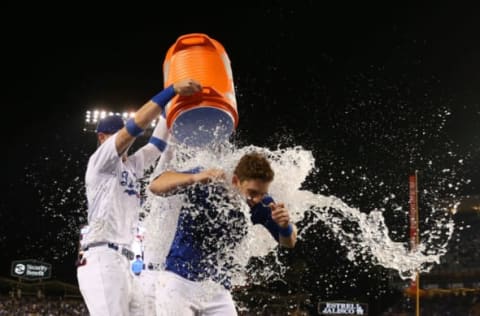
(210, 227)
(113, 196)
(162, 212)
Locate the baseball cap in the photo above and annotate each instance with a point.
(110, 124)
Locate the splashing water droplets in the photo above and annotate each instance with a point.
(364, 235)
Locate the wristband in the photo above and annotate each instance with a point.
(158, 142)
(286, 232)
(164, 96)
(132, 128)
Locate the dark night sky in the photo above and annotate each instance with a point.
(359, 86)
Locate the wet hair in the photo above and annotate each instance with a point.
(254, 166)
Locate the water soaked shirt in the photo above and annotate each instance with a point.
(210, 226)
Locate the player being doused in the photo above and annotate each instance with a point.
(210, 227)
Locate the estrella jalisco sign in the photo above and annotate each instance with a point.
(342, 308)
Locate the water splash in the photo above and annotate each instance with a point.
(363, 233)
(61, 209)
(366, 237)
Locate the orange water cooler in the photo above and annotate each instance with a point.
(210, 116)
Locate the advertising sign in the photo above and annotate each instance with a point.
(31, 269)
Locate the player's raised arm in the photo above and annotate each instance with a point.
(150, 110)
(157, 146)
(170, 180)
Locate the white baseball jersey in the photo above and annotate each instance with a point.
(113, 192)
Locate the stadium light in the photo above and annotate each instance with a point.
(93, 116)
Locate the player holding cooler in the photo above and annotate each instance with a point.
(113, 196)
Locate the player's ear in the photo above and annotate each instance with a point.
(235, 180)
(101, 138)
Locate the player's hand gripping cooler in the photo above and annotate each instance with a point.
(210, 116)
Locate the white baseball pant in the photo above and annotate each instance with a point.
(177, 296)
(107, 284)
(148, 280)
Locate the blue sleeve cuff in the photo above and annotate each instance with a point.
(286, 232)
(164, 96)
(132, 128)
(159, 143)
